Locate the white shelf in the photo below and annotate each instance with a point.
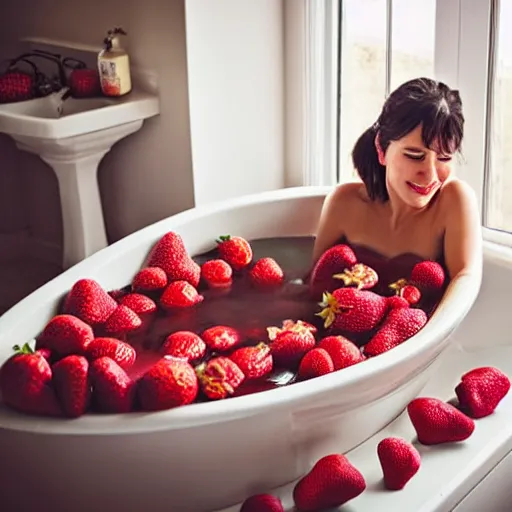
(448, 472)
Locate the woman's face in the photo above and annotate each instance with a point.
(414, 173)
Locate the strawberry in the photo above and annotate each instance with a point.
(291, 341)
(352, 310)
(90, 302)
(169, 383)
(122, 320)
(138, 303)
(171, 256)
(72, 385)
(16, 86)
(289, 325)
(399, 460)
(262, 503)
(438, 422)
(411, 294)
(45, 352)
(408, 292)
(360, 275)
(180, 294)
(255, 362)
(185, 344)
(332, 481)
(221, 337)
(333, 261)
(113, 390)
(25, 383)
(217, 273)
(84, 83)
(290, 346)
(343, 352)
(149, 279)
(266, 272)
(399, 325)
(119, 351)
(235, 250)
(315, 363)
(219, 377)
(65, 334)
(481, 390)
(428, 275)
(395, 302)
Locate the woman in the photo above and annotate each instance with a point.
(409, 201)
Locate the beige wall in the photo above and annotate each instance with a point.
(151, 175)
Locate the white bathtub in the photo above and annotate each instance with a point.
(205, 456)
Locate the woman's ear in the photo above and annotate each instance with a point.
(380, 153)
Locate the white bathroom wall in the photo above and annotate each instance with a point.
(234, 108)
(235, 54)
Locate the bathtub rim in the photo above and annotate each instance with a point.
(432, 340)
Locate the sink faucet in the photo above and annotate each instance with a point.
(47, 86)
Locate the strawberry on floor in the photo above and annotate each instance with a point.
(332, 481)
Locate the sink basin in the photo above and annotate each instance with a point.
(72, 136)
(53, 118)
(52, 107)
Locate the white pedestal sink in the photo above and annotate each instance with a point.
(72, 136)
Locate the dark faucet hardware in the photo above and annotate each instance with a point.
(62, 79)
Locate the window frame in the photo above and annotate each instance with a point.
(311, 47)
(469, 65)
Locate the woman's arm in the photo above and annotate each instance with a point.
(463, 231)
(463, 257)
(331, 224)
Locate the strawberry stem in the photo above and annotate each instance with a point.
(358, 275)
(330, 309)
(24, 349)
(223, 238)
(397, 286)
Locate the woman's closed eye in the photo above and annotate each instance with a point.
(415, 156)
(421, 156)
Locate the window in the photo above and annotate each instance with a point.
(382, 45)
(362, 74)
(412, 40)
(369, 47)
(498, 204)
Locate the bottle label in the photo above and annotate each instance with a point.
(110, 83)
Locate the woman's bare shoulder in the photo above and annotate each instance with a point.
(456, 195)
(349, 194)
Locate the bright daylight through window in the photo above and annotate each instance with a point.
(498, 207)
(381, 47)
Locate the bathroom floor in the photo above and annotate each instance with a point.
(20, 277)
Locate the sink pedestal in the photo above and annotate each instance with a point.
(75, 161)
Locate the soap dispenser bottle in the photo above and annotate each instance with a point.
(114, 65)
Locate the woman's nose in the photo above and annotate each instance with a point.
(429, 169)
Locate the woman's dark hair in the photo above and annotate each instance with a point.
(420, 101)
